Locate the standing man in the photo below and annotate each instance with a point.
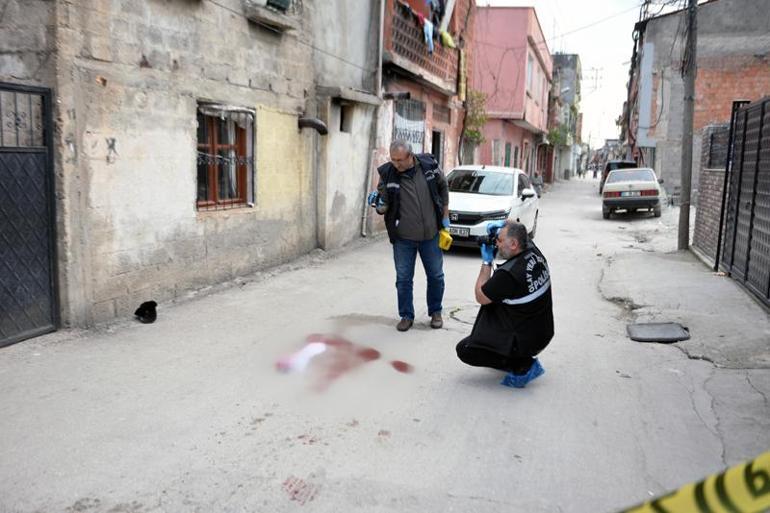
(515, 321)
(412, 195)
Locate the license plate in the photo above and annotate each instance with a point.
(460, 232)
(630, 193)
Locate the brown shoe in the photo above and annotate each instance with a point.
(436, 321)
(404, 324)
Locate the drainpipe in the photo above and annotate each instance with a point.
(376, 115)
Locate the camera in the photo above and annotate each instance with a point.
(490, 239)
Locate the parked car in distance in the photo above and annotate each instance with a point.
(631, 190)
(479, 194)
(612, 165)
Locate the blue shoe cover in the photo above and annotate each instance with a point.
(521, 380)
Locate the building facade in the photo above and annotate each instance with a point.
(568, 118)
(512, 67)
(423, 82)
(190, 142)
(733, 63)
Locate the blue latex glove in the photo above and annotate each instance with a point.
(487, 253)
(495, 225)
(445, 223)
(371, 199)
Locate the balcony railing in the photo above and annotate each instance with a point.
(408, 44)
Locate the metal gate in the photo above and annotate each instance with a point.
(28, 299)
(746, 247)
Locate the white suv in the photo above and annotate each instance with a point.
(480, 194)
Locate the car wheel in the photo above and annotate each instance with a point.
(606, 213)
(534, 227)
(656, 211)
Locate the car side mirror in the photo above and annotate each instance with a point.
(660, 180)
(528, 193)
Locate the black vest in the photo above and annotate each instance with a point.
(522, 324)
(389, 174)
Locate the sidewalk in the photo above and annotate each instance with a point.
(659, 284)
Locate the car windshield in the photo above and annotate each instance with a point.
(631, 175)
(621, 165)
(480, 182)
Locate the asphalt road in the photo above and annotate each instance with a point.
(189, 414)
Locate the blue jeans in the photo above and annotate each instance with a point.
(404, 254)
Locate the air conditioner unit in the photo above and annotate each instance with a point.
(272, 14)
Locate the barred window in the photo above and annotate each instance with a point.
(225, 157)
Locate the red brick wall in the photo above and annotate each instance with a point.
(404, 37)
(722, 80)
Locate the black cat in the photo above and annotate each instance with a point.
(146, 312)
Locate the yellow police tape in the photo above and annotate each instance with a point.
(744, 488)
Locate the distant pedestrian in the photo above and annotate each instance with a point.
(515, 321)
(412, 194)
(537, 183)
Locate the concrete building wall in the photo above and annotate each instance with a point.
(344, 161)
(346, 57)
(129, 78)
(567, 67)
(346, 38)
(28, 42)
(733, 63)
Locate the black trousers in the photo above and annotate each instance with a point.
(480, 357)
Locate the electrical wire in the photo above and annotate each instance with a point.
(553, 38)
(300, 41)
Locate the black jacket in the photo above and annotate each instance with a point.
(519, 321)
(390, 185)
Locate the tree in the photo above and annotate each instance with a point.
(557, 136)
(474, 120)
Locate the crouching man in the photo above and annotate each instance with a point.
(515, 321)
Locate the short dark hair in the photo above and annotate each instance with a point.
(518, 232)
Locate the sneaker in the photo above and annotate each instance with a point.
(436, 321)
(404, 324)
(521, 380)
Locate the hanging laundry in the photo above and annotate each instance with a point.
(428, 31)
(446, 39)
(420, 18)
(436, 11)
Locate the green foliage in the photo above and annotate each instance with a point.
(475, 117)
(557, 136)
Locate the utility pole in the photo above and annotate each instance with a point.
(688, 71)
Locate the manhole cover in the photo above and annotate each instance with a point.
(664, 332)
